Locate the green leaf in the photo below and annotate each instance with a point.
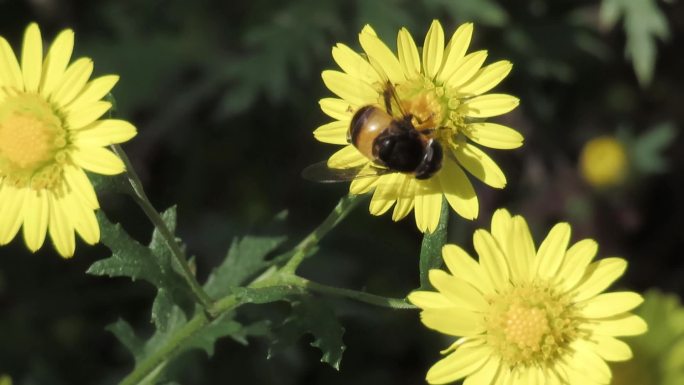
(152, 264)
(431, 248)
(647, 149)
(315, 317)
(644, 23)
(246, 257)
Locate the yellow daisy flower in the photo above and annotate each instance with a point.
(443, 91)
(525, 315)
(603, 162)
(50, 132)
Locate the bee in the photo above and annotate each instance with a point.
(392, 144)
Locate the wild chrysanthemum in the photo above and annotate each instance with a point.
(528, 316)
(603, 162)
(658, 354)
(443, 89)
(50, 131)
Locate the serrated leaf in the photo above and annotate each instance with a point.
(245, 258)
(123, 331)
(315, 317)
(431, 248)
(207, 337)
(644, 23)
(152, 264)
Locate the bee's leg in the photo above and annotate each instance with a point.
(387, 95)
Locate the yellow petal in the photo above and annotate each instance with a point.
(586, 359)
(408, 53)
(486, 106)
(467, 69)
(61, 228)
(610, 304)
(92, 92)
(350, 88)
(522, 249)
(463, 266)
(486, 374)
(11, 204)
(32, 58)
(385, 193)
(428, 207)
(405, 198)
(382, 58)
(83, 219)
(10, 72)
(72, 83)
(459, 291)
(598, 276)
(611, 349)
(347, 157)
(493, 135)
(429, 299)
(99, 160)
(453, 321)
(575, 263)
(337, 108)
(552, 251)
(79, 184)
(455, 51)
(502, 229)
(81, 118)
(104, 133)
(480, 165)
(364, 184)
(458, 190)
(433, 50)
(334, 132)
(354, 64)
(492, 259)
(461, 363)
(621, 325)
(56, 61)
(36, 210)
(486, 78)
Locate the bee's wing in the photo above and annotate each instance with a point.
(320, 172)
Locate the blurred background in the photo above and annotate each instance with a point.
(225, 98)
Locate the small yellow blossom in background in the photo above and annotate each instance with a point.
(443, 89)
(603, 162)
(658, 354)
(525, 315)
(5, 380)
(50, 132)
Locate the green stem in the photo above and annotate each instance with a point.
(174, 344)
(304, 248)
(141, 199)
(431, 248)
(377, 300)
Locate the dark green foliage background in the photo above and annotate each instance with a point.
(224, 95)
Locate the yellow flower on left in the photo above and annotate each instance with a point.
(50, 132)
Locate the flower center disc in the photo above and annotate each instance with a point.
(31, 139)
(530, 324)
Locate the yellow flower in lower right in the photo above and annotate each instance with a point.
(528, 316)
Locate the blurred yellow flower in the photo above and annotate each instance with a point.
(50, 132)
(442, 88)
(5, 380)
(658, 354)
(526, 315)
(603, 162)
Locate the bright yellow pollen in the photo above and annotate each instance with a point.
(525, 326)
(530, 324)
(32, 142)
